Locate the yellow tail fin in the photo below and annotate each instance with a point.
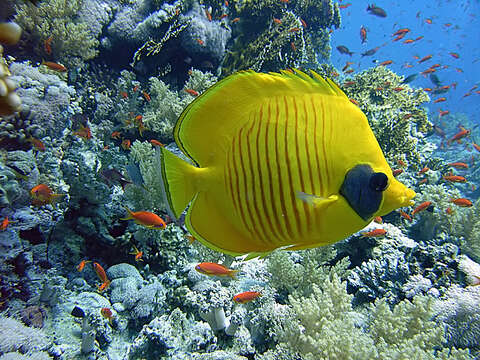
(179, 181)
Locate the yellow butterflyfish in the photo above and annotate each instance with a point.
(279, 160)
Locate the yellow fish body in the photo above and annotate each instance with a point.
(281, 160)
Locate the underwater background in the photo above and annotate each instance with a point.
(90, 90)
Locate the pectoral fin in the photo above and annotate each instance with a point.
(315, 200)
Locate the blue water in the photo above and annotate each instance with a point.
(462, 37)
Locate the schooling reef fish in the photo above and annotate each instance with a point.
(146, 218)
(214, 269)
(294, 165)
(43, 195)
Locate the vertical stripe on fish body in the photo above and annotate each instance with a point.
(279, 160)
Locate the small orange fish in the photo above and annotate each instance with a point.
(458, 165)
(146, 96)
(138, 118)
(214, 269)
(353, 101)
(401, 163)
(126, 144)
(294, 29)
(200, 42)
(428, 71)
(304, 24)
(401, 31)
(43, 195)
(397, 172)
(442, 99)
(398, 89)
(454, 55)
(386, 62)
(461, 134)
(124, 94)
(423, 181)
(344, 6)
(84, 133)
(409, 41)
(425, 58)
(54, 66)
(462, 202)
(277, 21)
(405, 216)
(4, 224)
(477, 147)
(378, 219)
(423, 171)
(116, 135)
(421, 207)
(349, 71)
(107, 313)
(192, 92)
(146, 218)
(449, 211)
(399, 37)
(429, 21)
(156, 143)
(100, 271)
(190, 238)
(208, 15)
(48, 45)
(292, 45)
(455, 178)
(82, 264)
(37, 144)
(237, 19)
(419, 38)
(374, 233)
(135, 88)
(246, 296)
(443, 112)
(138, 254)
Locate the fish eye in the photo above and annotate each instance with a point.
(378, 181)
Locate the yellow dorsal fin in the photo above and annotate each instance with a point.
(224, 107)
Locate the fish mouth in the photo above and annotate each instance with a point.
(407, 198)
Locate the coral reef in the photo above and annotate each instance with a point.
(296, 35)
(71, 41)
(393, 111)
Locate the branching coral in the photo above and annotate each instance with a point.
(393, 111)
(325, 326)
(293, 38)
(71, 41)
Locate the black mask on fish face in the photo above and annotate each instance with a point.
(363, 189)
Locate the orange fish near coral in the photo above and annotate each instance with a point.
(102, 275)
(214, 269)
(363, 34)
(458, 165)
(423, 206)
(54, 66)
(405, 215)
(462, 202)
(146, 218)
(107, 314)
(84, 133)
(455, 178)
(138, 254)
(156, 143)
(82, 264)
(374, 233)
(192, 92)
(126, 144)
(37, 144)
(4, 224)
(246, 296)
(146, 96)
(48, 45)
(43, 195)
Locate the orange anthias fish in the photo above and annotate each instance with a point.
(54, 66)
(462, 202)
(405, 215)
(37, 144)
(84, 133)
(458, 165)
(126, 144)
(138, 254)
(48, 45)
(455, 178)
(192, 92)
(82, 264)
(102, 275)
(460, 135)
(146, 218)
(146, 96)
(421, 207)
(156, 143)
(214, 269)
(374, 233)
(42, 195)
(107, 313)
(246, 296)
(425, 58)
(4, 224)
